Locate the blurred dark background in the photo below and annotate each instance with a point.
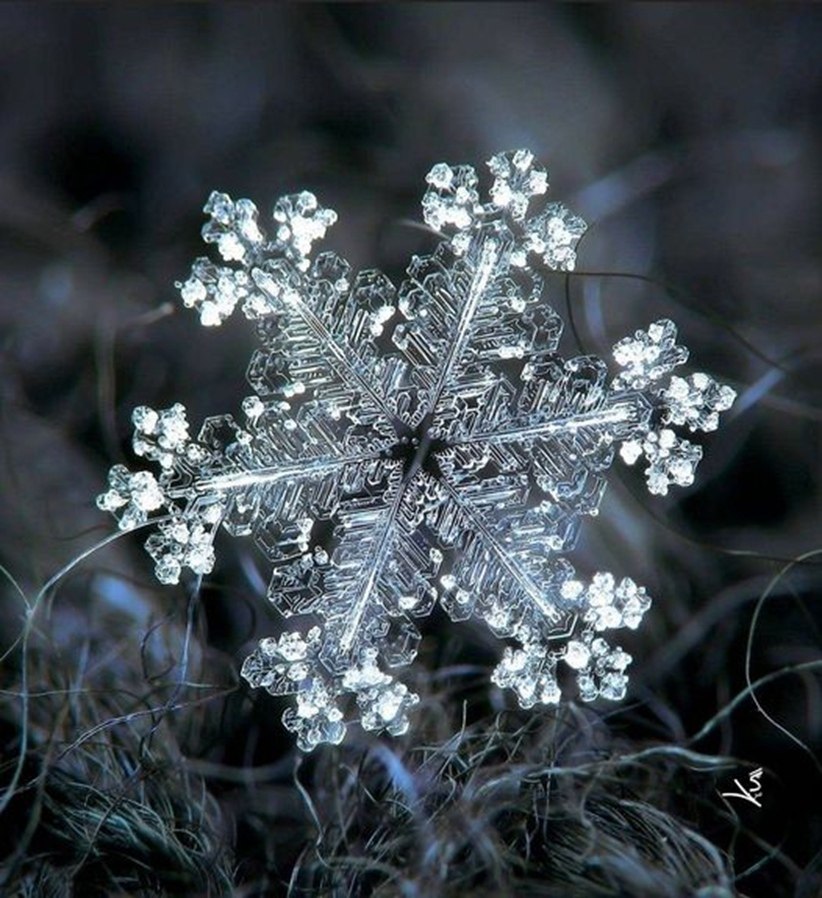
(688, 135)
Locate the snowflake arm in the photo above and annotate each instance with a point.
(403, 448)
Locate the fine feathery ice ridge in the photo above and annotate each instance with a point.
(409, 447)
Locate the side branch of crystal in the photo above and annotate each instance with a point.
(413, 446)
(646, 359)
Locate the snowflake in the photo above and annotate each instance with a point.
(409, 447)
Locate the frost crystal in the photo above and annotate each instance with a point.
(409, 447)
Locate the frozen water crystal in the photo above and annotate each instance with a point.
(414, 446)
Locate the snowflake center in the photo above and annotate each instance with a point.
(417, 448)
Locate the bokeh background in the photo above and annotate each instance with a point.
(688, 135)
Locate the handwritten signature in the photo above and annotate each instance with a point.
(751, 793)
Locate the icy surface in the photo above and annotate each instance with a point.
(408, 447)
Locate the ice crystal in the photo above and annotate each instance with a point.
(409, 447)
